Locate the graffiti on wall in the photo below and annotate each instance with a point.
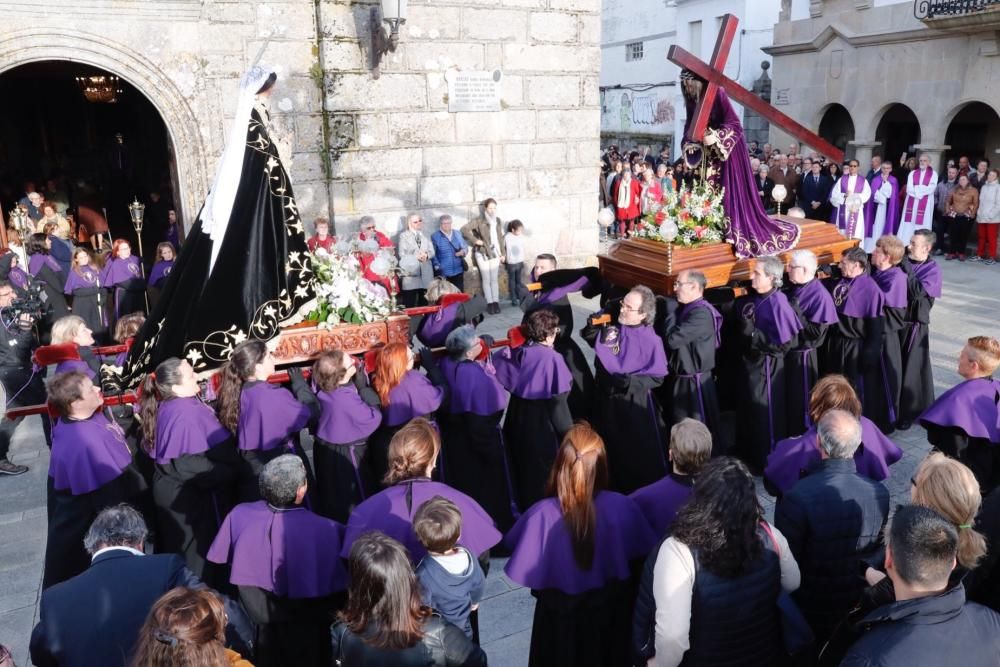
(648, 112)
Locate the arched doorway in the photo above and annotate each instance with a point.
(974, 132)
(101, 147)
(836, 126)
(898, 131)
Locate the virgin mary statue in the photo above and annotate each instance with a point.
(244, 270)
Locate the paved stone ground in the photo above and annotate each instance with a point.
(970, 306)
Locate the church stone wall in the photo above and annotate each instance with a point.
(392, 143)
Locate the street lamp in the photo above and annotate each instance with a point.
(137, 211)
(394, 13)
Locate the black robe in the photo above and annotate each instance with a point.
(53, 282)
(291, 631)
(802, 369)
(885, 406)
(91, 304)
(532, 430)
(980, 455)
(854, 349)
(917, 386)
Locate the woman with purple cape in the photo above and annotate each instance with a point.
(12, 271)
(47, 272)
(89, 296)
(630, 363)
(195, 467)
(891, 280)
(413, 455)
(266, 418)
(124, 277)
(576, 550)
(349, 413)
(964, 422)
(923, 286)
(91, 468)
(794, 458)
(724, 161)
(769, 328)
(538, 415)
(477, 459)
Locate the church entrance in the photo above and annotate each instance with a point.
(898, 131)
(79, 134)
(836, 126)
(975, 132)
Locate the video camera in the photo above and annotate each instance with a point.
(31, 306)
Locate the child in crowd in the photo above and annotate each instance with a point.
(450, 575)
(514, 241)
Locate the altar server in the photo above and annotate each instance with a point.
(89, 295)
(882, 210)
(848, 196)
(918, 206)
(923, 286)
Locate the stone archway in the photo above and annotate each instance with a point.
(836, 126)
(898, 131)
(973, 131)
(40, 44)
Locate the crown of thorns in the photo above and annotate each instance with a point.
(688, 75)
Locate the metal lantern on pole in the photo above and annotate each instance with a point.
(137, 211)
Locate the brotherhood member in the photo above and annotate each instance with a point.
(456, 309)
(964, 422)
(574, 550)
(923, 286)
(123, 276)
(814, 307)
(538, 414)
(854, 345)
(73, 330)
(794, 458)
(413, 455)
(91, 468)
(349, 413)
(83, 284)
(848, 197)
(892, 281)
(557, 285)
(882, 210)
(195, 462)
(282, 560)
(46, 270)
(918, 207)
(165, 255)
(769, 328)
(630, 363)
(691, 336)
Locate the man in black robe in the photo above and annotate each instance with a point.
(923, 286)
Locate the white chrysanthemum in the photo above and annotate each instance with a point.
(380, 266)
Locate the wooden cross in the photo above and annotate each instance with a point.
(712, 72)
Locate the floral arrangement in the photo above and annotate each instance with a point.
(343, 295)
(686, 217)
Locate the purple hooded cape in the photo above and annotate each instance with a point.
(291, 552)
(927, 272)
(685, 310)
(77, 365)
(816, 303)
(83, 277)
(435, 327)
(660, 501)
(344, 417)
(793, 455)
(158, 275)
(542, 552)
(773, 316)
(36, 261)
(892, 282)
(18, 278)
(186, 426)
(269, 417)
(557, 293)
(631, 350)
(893, 208)
(532, 371)
(474, 387)
(970, 406)
(414, 396)
(859, 297)
(391, 511)
(87, 454)
(120, 270)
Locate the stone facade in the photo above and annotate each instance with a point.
(392, 144)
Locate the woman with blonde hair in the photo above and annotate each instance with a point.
(950, 489)
(73, 330)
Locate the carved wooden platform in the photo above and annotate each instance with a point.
(303, 343)
(643, 262)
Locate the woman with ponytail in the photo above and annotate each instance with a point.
(266, 418)
(574, 549)
(195, 465)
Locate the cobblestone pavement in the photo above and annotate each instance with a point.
(969, 306)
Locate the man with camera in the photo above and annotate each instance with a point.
(20, 385)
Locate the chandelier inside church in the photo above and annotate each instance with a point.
(103, 88)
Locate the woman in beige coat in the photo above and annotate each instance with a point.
(485, 236)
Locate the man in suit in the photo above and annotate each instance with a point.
(764, 187)
(784, 174)
(94, 618)
(814, 192)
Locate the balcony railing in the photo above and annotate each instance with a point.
(929, 9)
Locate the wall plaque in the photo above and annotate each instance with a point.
(474, 90)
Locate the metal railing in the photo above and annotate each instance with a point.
(927, 9)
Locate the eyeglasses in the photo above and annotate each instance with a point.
(628, 308)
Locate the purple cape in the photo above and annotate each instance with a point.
(414, 396)
(635, 350)
(892, 211)
(36, 261)
(345, 418)
(18, 277)
(158, 275)
(391, 511)
(83, 277)
(87, 454)
(291, 552)
(435, 327)
(793, 455)
(557, 293)
(474, 387)
(660, 501)
(970, 406)
(120, 270)
(859, 297)
(927, 272)
(269, 417)
(892, 282)
(79, 365)
(815, 303)
(542, 552)
(773, 316)
(186, 426)
(685, 310)
(532, 371)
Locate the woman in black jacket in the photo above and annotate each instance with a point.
(385, 622)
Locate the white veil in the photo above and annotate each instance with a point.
(219, 204)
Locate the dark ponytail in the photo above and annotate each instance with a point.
(235, 372)
(155, 389)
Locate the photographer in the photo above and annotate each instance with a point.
(21, 386)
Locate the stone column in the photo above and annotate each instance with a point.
(935, 153)
(862, 152)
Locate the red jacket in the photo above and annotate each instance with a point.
(633, 203)
(366, 259)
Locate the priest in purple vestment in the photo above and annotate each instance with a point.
(882, 210)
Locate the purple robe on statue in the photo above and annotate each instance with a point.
(660, 501)
(881, 218)
(288, 552)
(752, 232)
(269, 417)
(186, 426)
(345, 418)
(158, 276)
(87, 454)
(414, 396)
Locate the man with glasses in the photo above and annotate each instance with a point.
(20, 384)
(416, 257)
(849, 197)
(918, 207)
